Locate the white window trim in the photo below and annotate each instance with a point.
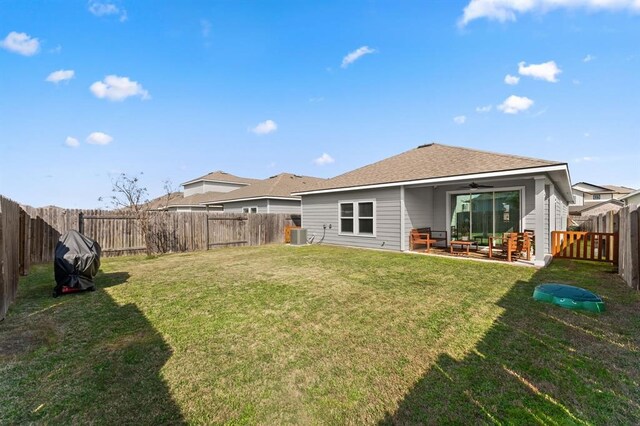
(249, 209)
(496, 189)
(356, 217)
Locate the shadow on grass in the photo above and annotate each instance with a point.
(82, 360)
(110, 279)
(540, 363)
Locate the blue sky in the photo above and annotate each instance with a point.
(178, 89)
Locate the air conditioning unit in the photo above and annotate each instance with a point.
(298, 237)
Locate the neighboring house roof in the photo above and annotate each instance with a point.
(220, 176)
(619, 189)
(162, 201)
(432, 161)
(578, 210)
(278, 186)
(195, 199)
(629, 195)
(597, 188)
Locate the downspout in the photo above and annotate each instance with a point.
(403, 240)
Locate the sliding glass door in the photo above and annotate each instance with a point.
(476, 216)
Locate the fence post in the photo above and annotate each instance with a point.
(81, 223)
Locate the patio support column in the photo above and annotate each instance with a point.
(539, 227)
(403, 212)
(552, 208)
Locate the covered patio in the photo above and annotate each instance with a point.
(480, 212)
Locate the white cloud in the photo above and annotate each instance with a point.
(515, 104)
(511, 80)
(60, 75)
(324, 159)
(56, 49)
(588, 58)
(355, 55)
(106, 9)
(587, 134)
(586, 159)
(99, 138)
(547, 71)
(72, 142)
(205, 28)
(506, 10)
(21, 43)
(483, 109)
(117, 88)
(460, 119)
(265, 127)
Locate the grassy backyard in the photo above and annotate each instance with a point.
(317, 334)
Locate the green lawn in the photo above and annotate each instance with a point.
(278, 334)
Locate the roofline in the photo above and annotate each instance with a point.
(512, 172)
(631, 194)
(184, 205)
(233, 200)
(591, 184)
(612, 200)
(216, 181)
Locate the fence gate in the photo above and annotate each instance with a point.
(116, 234)
(226, 231)
(598, 246)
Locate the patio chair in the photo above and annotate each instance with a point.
(525, 243)
(417, 237)
(507, 244)
(439, 236)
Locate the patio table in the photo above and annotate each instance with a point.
(463, 245)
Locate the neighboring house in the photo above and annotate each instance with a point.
(465, 192)
(632, 198)
(201, 190)
(587, 193)
(273, 195)
(593, 209)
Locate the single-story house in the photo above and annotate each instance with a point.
(464, 192)
(272, 195)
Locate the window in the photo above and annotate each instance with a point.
(357, 218)
(365, 218)
(249, 210)
(596, 196)
(479, 215)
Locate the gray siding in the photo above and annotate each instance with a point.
(418, 203)
(322, 209)
(236, 207)
(202, 187)
(284, 206)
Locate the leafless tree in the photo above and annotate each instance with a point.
(128, 194)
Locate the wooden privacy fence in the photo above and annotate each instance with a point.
(598, 246)
(9, 252)
(629, 259)
(625, 224)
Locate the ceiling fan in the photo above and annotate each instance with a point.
(473, 186)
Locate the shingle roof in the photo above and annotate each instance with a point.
(619, 189)
(577, 210)
(431, 161)
(221, 176)
(281, 185)
(196, 199)
(162, 201)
